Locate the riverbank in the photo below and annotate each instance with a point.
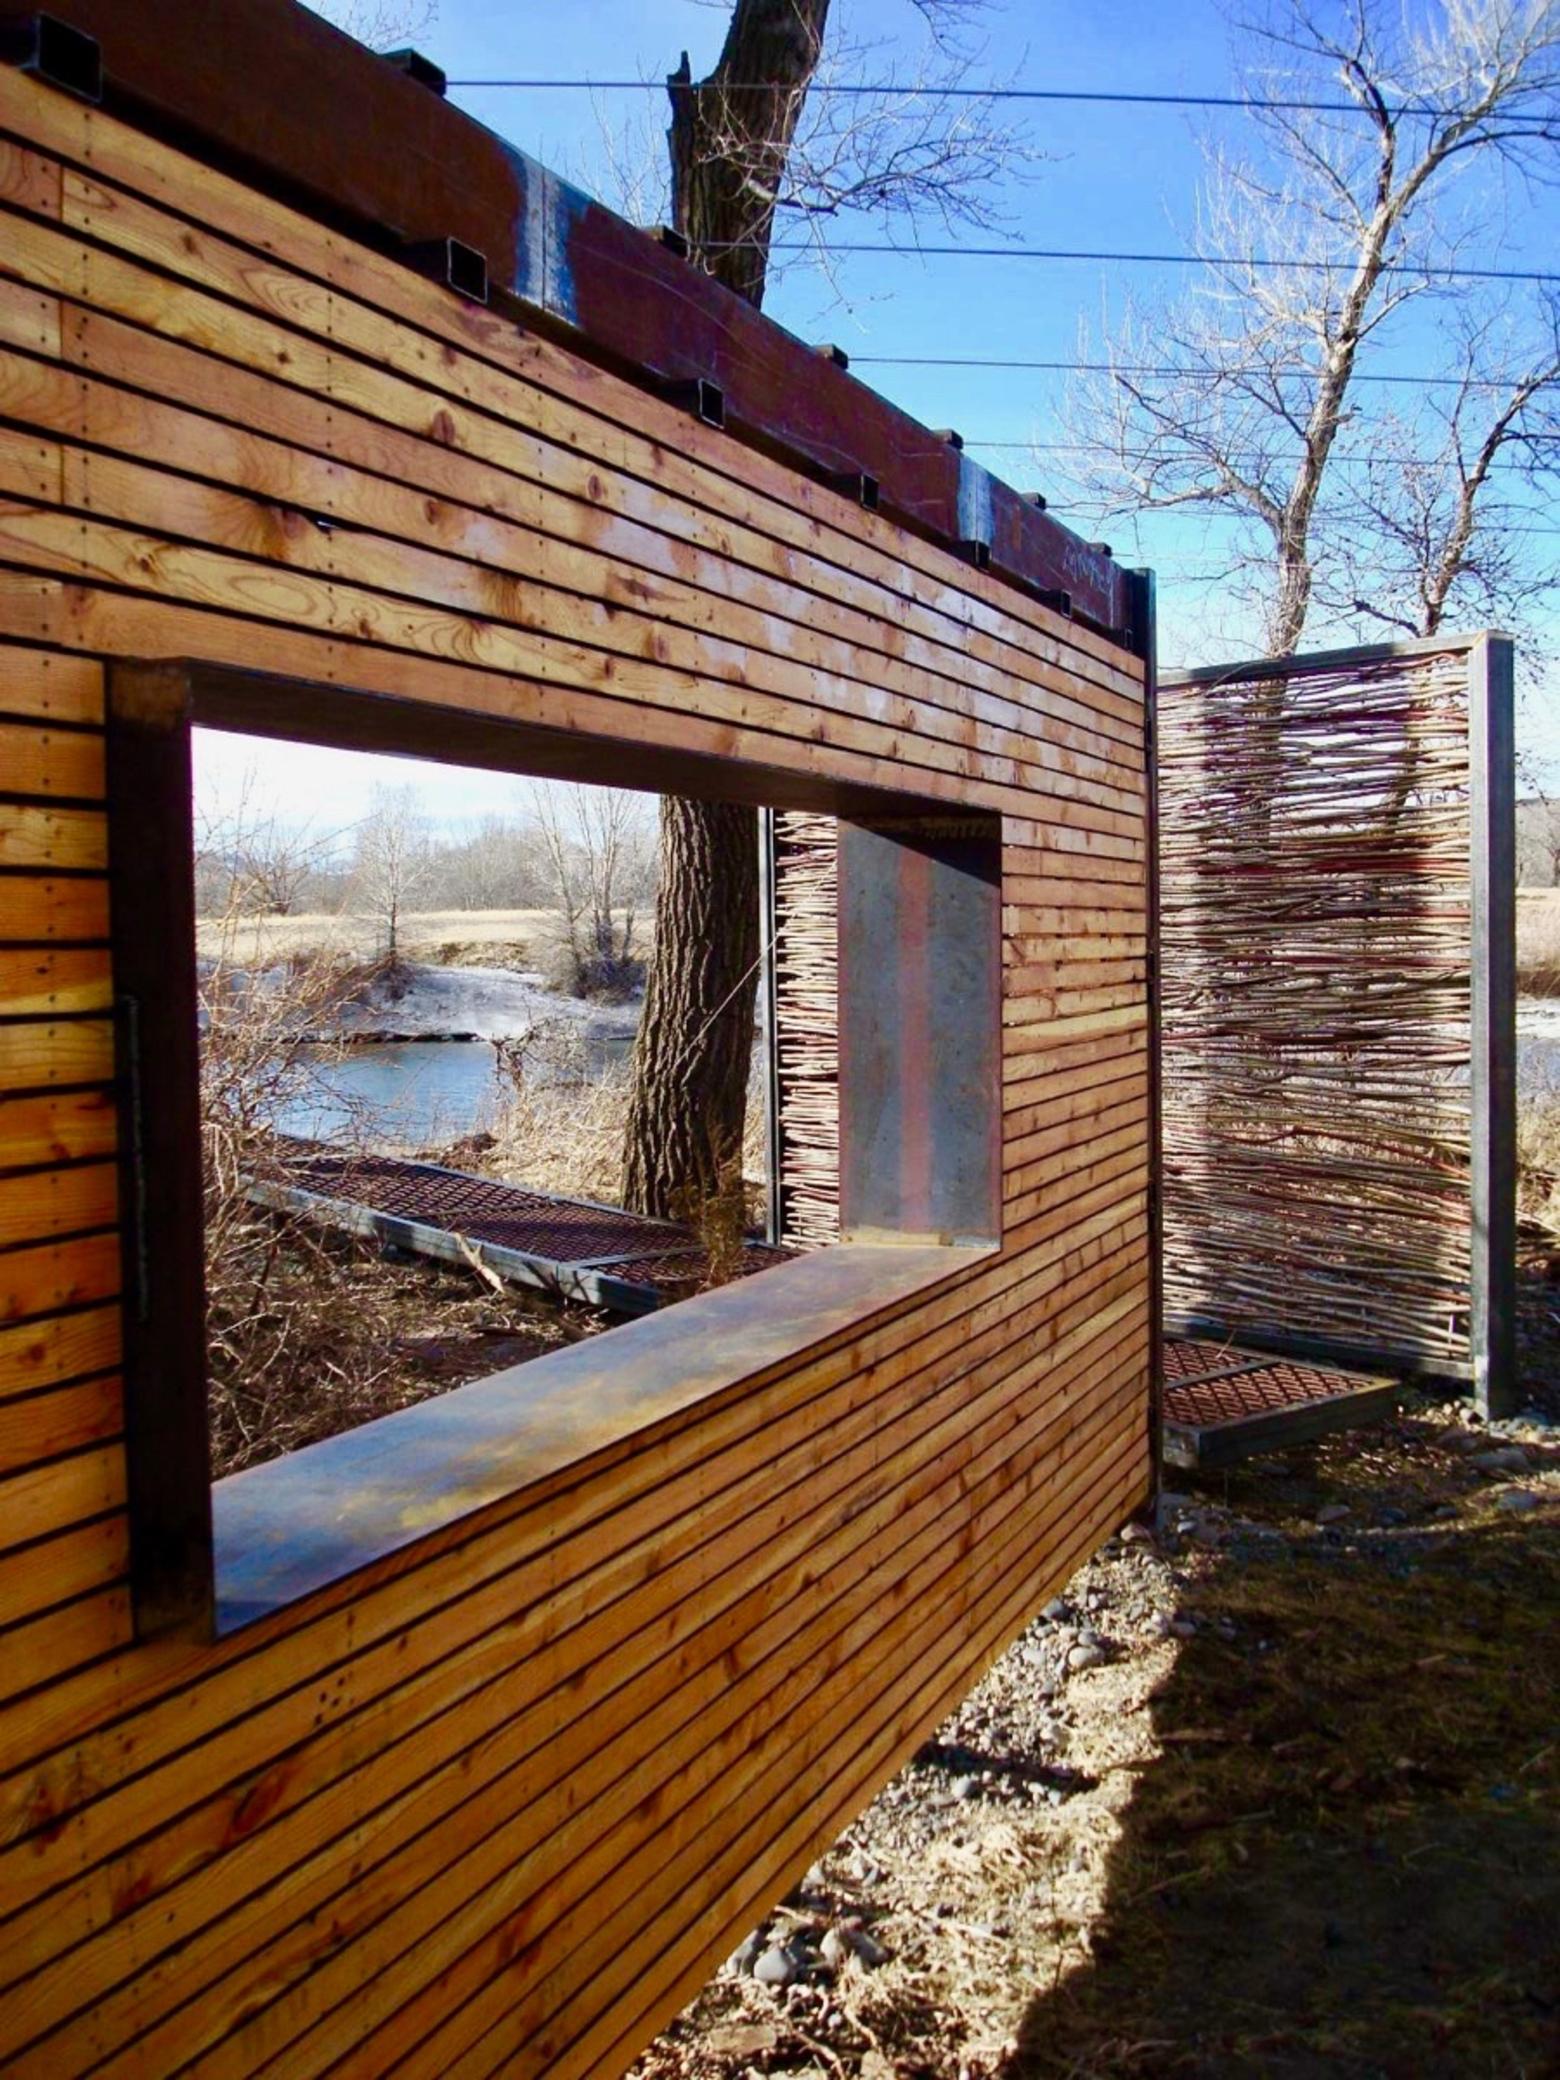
(415, 1001)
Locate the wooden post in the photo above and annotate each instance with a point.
(1493, 900)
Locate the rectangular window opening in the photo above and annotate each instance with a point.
(377, 1014)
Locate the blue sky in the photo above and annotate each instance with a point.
(1112, 178)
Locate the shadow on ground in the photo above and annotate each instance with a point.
(1346, 1858)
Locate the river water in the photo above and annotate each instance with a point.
(414, 1093)
(417, 1093)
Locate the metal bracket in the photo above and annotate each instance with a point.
(52, 50)
(419, 68)
(460, 267)
(865, 490)
(706, 400)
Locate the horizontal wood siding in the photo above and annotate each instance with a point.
(498, 1803)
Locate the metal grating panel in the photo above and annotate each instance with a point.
(562, 1230)
(1222, 1403)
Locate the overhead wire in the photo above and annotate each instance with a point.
(1276, 104)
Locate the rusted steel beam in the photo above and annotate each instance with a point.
(278, 96)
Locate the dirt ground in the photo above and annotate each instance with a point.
(1273, 1789)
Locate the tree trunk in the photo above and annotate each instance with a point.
(692, 1053)
(729, 138)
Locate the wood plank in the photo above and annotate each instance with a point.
(503, 1855)
(58, 1494)
(745, 1781)
(54, 541)
(39, 908)
(503, 1739)
(60, 1419)
(71, 1564)
(51, 261)
(495, 1593)
(50, 981)
(52, 838)
(38, 761)
(793, 625)
(42, 1649)
(488, 1804)
(51, 685)
(40, 1204)
(432, 1657)
(43, 1054)
(40, 1353)
(29, 318)
(55, 1275)
(56, 1128)
(611, 425)
(763, 1878)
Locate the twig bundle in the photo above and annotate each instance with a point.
(1315, 955)
(807, 1039)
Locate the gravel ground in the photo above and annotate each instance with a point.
(1270, 1789)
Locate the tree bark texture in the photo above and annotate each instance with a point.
(728, 140)
(694, 1047)
(731, 133)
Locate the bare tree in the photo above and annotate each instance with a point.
(597, 844)
(251, 861)
(1440, 512)
(1315, 240)
(391, 862)
(381, 24)
(747, 147)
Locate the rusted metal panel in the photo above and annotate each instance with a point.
(920, 1077)
(365, 140)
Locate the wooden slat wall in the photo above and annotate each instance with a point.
(497, 1804)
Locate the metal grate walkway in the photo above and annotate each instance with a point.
(570, 1248)
(1222, 1403)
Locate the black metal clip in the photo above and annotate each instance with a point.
(459, 266)
(706, 400)
(54, 51)
(419, 68)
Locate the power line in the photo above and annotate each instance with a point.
(1124, 368)
(1040, 447)
(896, 90)
(1132, 259)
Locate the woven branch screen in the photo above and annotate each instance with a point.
(807, 1026)
(1316, 936)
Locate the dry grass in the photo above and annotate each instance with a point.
(1538, 1158)
(563, 1124)
(447, 938)
(1538, 942)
